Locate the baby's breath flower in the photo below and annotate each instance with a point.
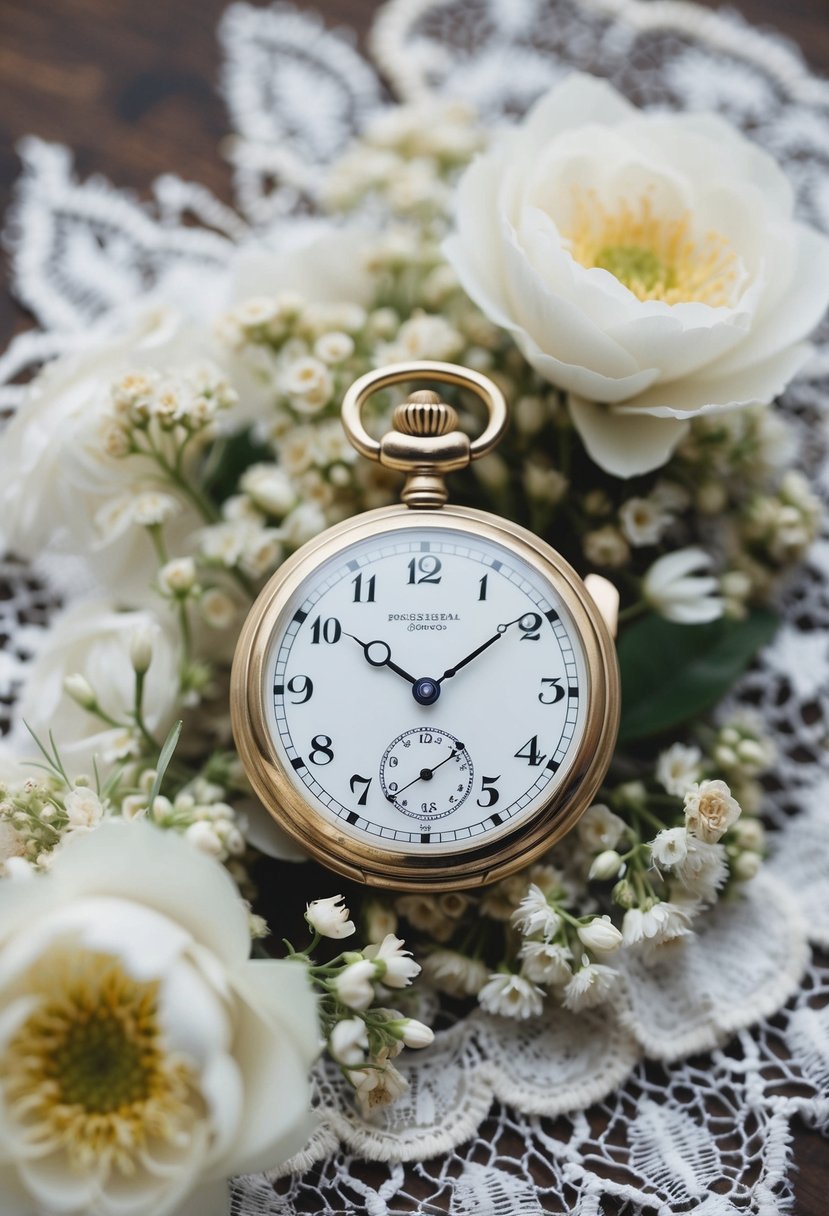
(600, 829)
(330, 917)
(512, 996)
(600, 934)
(606, 547)
(591, 985)
(393, 965)
(353, 986)
(377, 1087)
(669, 847)
(662, 922)
(83, 807)
(680, 587)
(678, 768)
(453, 973)
(270, 488)
(644, 520)
(177, 577)
(348, 1042)
(141, 648)
(605, 865)
(534, 915)
(546, 962)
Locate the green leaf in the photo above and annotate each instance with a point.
(671, 673)
(228, 461)
(164, 759)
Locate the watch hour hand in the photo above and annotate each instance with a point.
(378, 654)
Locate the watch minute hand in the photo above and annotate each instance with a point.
(499, 633)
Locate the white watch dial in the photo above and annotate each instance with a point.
(426, 688)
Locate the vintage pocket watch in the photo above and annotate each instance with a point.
(426, 697)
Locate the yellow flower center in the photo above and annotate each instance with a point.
(657, 257)
(88, 1072)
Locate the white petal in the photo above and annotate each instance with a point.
(269, 839)
(756, 385)
(16, 1200)
(280, 992)
(578, 100)
(57, 1188)
(195, 1019)
(212, 1199)
(624, 444)
(474, 249)
(157, 868)
(222, 1086)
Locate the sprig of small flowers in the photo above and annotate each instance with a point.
(363, 1037)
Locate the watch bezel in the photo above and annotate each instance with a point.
(362, 860)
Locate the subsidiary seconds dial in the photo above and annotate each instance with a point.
(426, 688)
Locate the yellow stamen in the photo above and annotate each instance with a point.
(88, 1072)
(657, 257)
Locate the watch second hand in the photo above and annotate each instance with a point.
(502, 629)
(385, 662)
(456, 749)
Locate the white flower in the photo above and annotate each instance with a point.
(545, 962)
(393, 965)
(454, 973)
(334, 347)
(270, 488)
(600, 934)
(681, 588)
(353, 986)
(678, 767)
(308, 384)
(330, 917)
(662, 923)
(378, 920)
(141, 647)
(349, 1041)
(747, 866)
(606, 547)
(58, 479)
(95, 639)
(641, 261)
(669, 847)
(83, 807)
(79, 689)
(534, 915)
(643, 520)
(218, 608)
(703, 871)
(417, 1034)
(304, 523)
(511, 996)
(600, 829)
(710, 810)
(591, 985)
(177, 577)
(377, 1087)
(126, 972)
(605, 865)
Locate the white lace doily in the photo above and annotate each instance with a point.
(505, 1119)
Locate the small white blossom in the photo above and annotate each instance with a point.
(377, 1087)
(80, 690)
(417, 1034)
(334, 347)
(218, 608)
(205, 837)
(710, 810)
(270, 488)
(330, 917)
(605, 865)
(678, 768)
(308, 384)
(393, 964)
(512, 996)
(534, 915)
(353, 986)
(348, 1043)
(177, 577)
(141, 648)
(703, 871)
(661, 923)
(606, 547)
(454, 973)
(591, 985)
(600, 829)
(83, 807)
(669, 847)
(747, 866)
(644, 520)
(600, 934)
(546, 962)
(304, 522)
(680, 587)
(750, 834)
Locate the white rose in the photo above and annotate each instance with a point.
(95, 640)
(649, 263)
(129, 1000)
(61, 489)
(710, 810)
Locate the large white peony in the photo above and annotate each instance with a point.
(144, 1057)
(648, 263)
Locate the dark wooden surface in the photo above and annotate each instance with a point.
(130, 86)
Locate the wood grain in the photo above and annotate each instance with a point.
(130, 86)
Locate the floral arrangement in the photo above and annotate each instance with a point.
(639, 287)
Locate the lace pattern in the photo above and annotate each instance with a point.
(567, 1114)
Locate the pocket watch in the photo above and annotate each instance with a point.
(426, 697)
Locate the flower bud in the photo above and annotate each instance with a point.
(600, 934)
(623, 894)
(747, 866)
(605, 865)
(177, 577)
(353, 986)
(349, 1041)
(417, 1034)
(141, 649)
(80, 690)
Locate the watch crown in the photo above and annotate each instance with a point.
(425, 414)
